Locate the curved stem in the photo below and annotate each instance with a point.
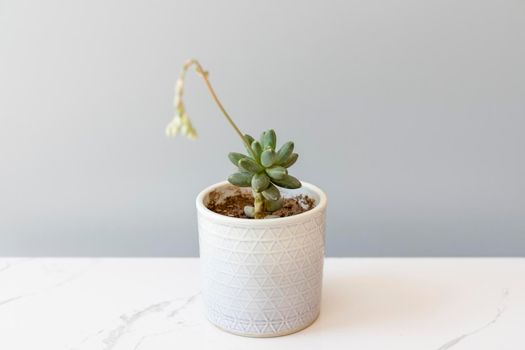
(258, 209)
(204, 75)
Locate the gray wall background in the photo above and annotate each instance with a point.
(409, 114)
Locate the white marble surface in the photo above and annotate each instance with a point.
(154, 304)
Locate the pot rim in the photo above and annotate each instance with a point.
(201, 208)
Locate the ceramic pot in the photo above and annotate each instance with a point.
(262, 278)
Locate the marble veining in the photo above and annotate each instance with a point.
(501, 309)
(165, 309)
(69, 277)
(127, 322)
(5, 266)
(8, 300)
(155, 304)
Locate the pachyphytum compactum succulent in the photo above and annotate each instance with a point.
(263, 169)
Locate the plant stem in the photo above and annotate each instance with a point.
(258, 209)
(204, 75)
(259, 204)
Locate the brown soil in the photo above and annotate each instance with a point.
(233, 205)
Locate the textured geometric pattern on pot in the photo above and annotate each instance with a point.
(262, 281)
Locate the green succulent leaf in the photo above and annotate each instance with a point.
(272, 193)
(250, 165)
(284, 152)
(235, 157)
(287, 181)
(268, 158)
(273, 205)
(241, 179)
(290, 161)
(248, 139)
(257, 149)
(269, 139)
(260, 182)
(277, 172)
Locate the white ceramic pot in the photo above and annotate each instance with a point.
(262, 278)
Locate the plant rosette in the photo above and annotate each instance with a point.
(261, 273)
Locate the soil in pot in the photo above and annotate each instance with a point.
(233, 205)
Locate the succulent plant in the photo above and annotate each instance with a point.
(264, 169)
